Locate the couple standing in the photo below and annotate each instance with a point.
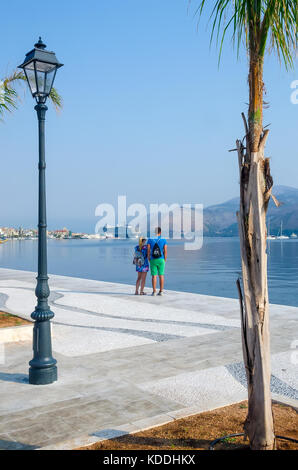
(153, 251)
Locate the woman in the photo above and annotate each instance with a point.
(142, 265)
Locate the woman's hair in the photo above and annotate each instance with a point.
(141, 239)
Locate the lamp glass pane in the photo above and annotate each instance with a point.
(49, 79)
(30, 74)
(44, 66)
(40, 82)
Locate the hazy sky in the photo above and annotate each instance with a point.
(142, 94)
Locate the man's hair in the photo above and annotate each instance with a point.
(158, 230)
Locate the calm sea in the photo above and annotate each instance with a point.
(212, 270)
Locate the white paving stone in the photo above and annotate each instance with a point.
(285, 367)
(73, 342)
(20, 301)
(111, 305)
(200, 388)
(14, 283)
(79, 333)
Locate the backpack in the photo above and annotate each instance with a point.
(156, 252)
(138, 258)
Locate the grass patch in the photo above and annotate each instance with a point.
(198, 431)
(8, 320)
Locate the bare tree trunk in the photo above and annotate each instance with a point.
(255, 191)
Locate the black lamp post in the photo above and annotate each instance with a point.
(40, 68)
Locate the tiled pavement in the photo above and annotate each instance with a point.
(125, 359)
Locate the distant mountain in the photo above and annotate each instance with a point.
(220, 219)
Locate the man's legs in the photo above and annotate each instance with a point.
(161, 282)
(154, 273)
(161, 271)
(154, 283)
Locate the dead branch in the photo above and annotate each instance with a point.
(263, 140)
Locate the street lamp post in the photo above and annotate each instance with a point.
(40, 68)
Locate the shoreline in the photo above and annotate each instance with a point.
(212, 270)
(132, 286)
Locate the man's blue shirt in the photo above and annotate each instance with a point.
(161, 243)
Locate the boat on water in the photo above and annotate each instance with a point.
(293, 235)
(281, 236)
(3, 241)
(109, 235)
(270, 237)
(120, 231)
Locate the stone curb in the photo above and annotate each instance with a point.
(129, 428)
(144, 424)
(285, 401)
(16, 333)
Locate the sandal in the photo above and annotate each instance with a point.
(143, 293)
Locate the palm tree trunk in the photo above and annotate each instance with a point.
(255, 191)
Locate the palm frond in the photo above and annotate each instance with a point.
(283, 31)
(254, 22)
(56, 99)
(9, 96)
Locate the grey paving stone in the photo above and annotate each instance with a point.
(30, 436)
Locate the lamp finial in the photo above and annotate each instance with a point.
(40, 44)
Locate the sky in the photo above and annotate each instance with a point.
(147, 111)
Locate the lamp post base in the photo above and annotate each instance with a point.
(42, 376)
(43, 369)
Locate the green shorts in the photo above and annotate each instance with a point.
(157, 266)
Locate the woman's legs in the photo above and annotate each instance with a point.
(138, 282)
(143, 281)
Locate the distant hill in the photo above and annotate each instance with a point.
(220, 219)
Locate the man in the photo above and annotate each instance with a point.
(157, 251)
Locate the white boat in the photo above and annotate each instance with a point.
(95, 236)
(281, 236)
(293, 235)
(119, 231)
(131, 232)
(270, 237)
(109, 235)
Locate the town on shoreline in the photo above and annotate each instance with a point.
(108, 232)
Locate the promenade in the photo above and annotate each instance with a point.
(127, 362)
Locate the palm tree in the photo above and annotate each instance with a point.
(9, 96)
(263, 26)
